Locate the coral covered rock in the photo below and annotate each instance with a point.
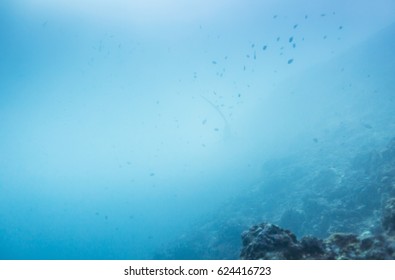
(268, 241)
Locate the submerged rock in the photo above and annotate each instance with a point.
(270, 242)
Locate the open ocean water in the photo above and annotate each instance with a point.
(164, 129)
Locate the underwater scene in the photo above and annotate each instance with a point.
(178, 129)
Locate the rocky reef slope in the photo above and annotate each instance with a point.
(346, 211)
(268, 241)
(374, 200)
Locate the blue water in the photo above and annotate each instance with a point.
(122, 124)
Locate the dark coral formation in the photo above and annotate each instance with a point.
(270, 242)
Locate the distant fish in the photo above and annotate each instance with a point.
(290, 61)
(315, 140)
(291, 39)
(213, 62)
(366, 125)
(264, 47)
(295, 26)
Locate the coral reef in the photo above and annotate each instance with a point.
(377, 242)
(310, 195)
(270, 242)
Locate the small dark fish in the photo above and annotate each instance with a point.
(291, 39)
(315, 140)
(216, 129)
(340, 27)
(366, 125)
(264, 47)
(295, 26)
(204, 121)
(290, 61)
(278, 39)
(213, 62)
(152, 174)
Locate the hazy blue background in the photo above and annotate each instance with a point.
(122, 122)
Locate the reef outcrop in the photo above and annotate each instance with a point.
(270, 242)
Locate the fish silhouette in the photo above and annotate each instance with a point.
(226, 131)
